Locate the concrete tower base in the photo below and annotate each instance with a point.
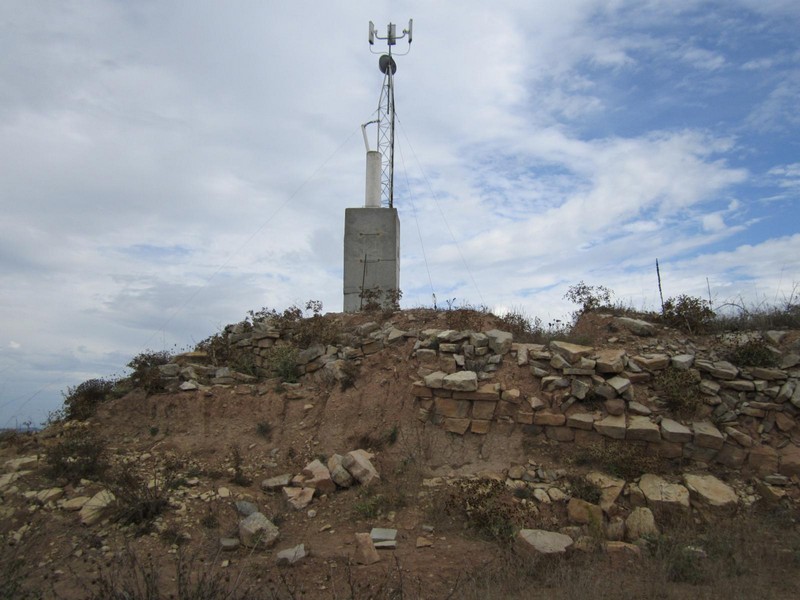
(371, 256)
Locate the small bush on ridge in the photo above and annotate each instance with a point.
(688, 313)
(146, 373)
(80, 402)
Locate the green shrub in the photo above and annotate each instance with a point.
(78, 454)
(80, 402)
(752, 353)
(688, 313)
(146, 373)
(589, 297)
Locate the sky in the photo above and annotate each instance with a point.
(167, 166)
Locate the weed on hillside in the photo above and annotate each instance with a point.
(751, 353)
(78, 454)
(485, 507)
(140, 498)
(678, 390)
(617, 458)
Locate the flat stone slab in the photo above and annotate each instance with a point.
(710, 491)
(539, 541)
(706, 435)
(682, 362)
(661, 493)
(382, 534)
(652, 362)
(642, 428)
(462, 381)
(456, 425)
(612, 426)
(672, 431)
(611, 360)
(24, 462)
(610, 488)
(549, 417)
(571, 352)
(581, 421)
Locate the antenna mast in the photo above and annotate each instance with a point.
(385, 121)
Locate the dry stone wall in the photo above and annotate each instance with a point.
(748, 416)
(570, 393)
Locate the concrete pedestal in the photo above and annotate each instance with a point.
(371, 255)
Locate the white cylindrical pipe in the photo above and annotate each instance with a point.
(372, 198)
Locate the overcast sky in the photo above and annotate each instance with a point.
(167, 166)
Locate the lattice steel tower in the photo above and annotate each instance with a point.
(386, 118)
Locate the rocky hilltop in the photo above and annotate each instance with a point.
(421, 454)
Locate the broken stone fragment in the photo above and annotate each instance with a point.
(258, 531)
(298, 497)
(584, 513)
(571, 352)
(290, 556)
(611, 360)
(319, 477)
(96, 507)
(639, 524)
(499, 341)
(273, 484)
(339, 474)
(365, 553)
(360, 467)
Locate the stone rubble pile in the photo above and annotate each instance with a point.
(622, 520)
(253, 344)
